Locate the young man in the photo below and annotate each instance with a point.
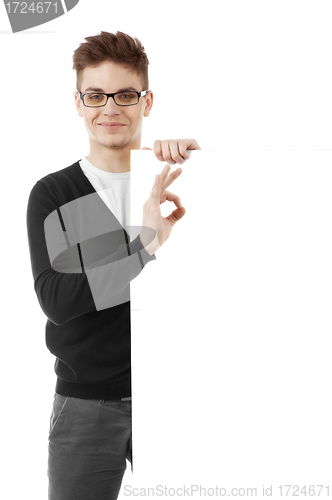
(83, 261)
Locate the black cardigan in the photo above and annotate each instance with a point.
(87, 330)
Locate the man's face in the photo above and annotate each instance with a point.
(125, 122)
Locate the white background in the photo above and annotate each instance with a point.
(235, 75)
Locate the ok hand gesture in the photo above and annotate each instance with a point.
(152, 217)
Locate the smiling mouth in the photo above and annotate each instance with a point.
(112, 125)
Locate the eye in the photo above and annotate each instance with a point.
(127, 95)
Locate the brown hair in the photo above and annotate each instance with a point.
(119, 48)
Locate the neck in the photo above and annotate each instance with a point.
(115, 160)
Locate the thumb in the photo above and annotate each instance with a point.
(176, 215)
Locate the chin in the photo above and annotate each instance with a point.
(117, 144)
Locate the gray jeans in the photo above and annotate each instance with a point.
(89, 442)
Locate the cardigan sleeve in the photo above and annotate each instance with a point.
(72, 278)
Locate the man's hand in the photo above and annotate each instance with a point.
(152, 217)
(174, 151)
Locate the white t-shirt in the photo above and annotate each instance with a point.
(114, 189)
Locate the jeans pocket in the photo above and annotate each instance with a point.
(59, 403)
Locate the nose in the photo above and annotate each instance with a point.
(111, 108)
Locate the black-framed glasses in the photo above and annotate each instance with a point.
(98, 99)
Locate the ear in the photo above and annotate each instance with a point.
(78, 104)
(148, 103)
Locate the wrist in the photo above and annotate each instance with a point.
(149, 246)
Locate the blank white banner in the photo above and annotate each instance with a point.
(231, 324)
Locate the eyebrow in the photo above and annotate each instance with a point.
(97, 89)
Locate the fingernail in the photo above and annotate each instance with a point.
(160, 158)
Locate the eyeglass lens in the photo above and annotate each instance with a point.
(123, 99)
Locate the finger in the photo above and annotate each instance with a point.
(175, 153)
(157, 150)
(158, 183)
(165, 172)
(192, 144)
(176, 215)
(166, 152)
(183, 146)
(163, 177)
(147, 148)
(171, 197)
(171, 178)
